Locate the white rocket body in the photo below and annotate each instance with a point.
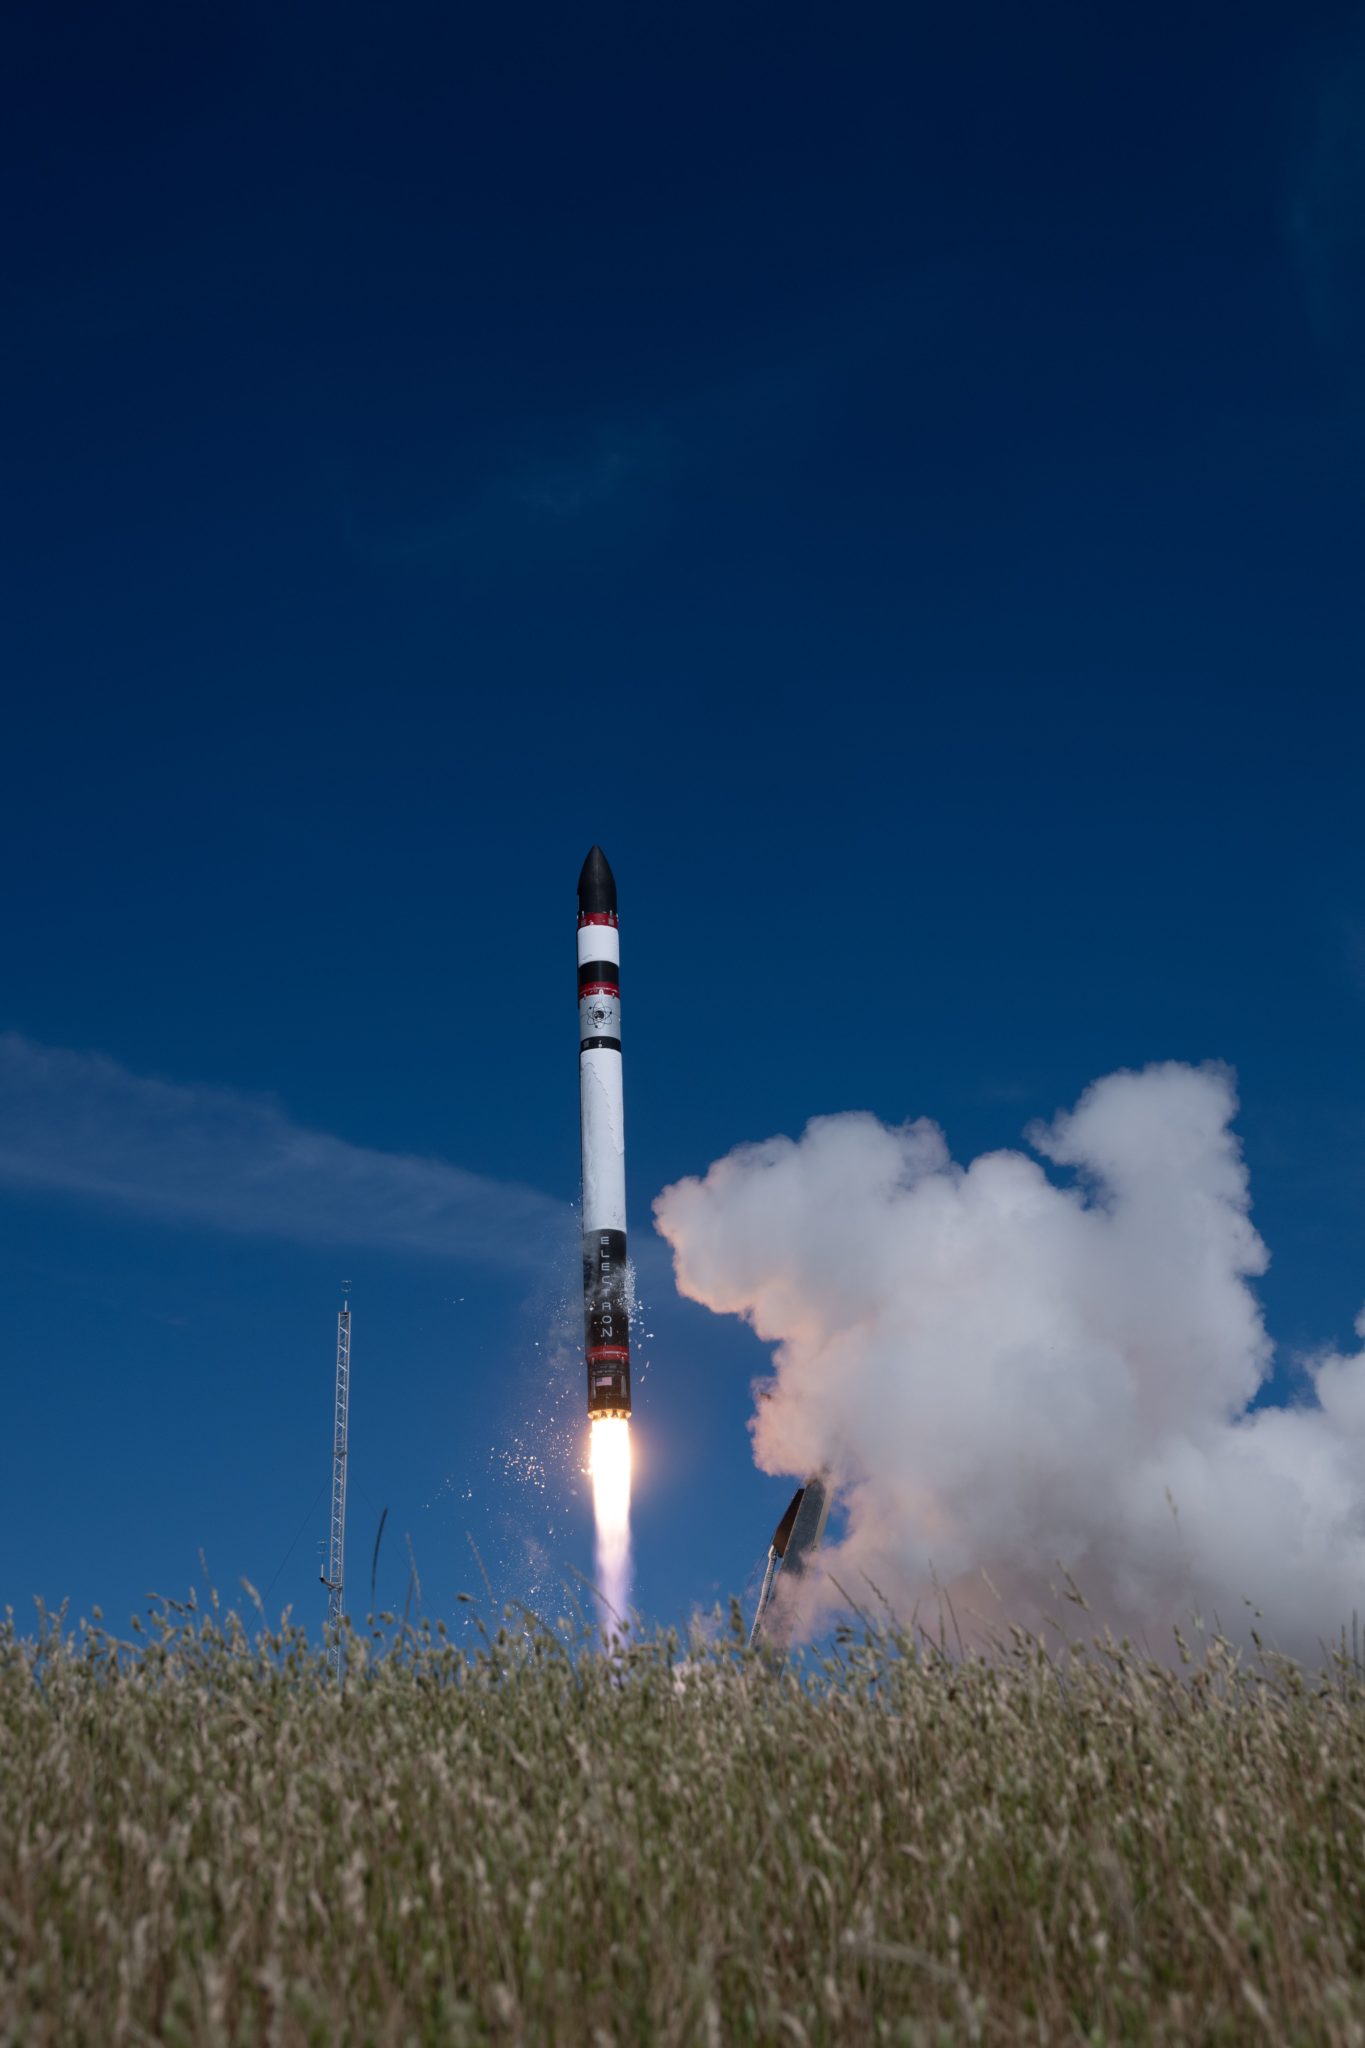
(601, 1099)
(602, 1128)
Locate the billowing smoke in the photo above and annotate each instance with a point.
(1004, 1369)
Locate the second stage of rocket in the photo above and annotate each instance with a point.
(606, 1308)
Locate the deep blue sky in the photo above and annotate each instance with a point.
(892, 475)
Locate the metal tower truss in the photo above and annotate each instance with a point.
(334, 1578)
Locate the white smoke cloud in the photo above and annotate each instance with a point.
(1002, 1370)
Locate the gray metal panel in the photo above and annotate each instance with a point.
(765, 1594)
(772, 1630)
(808, 1530)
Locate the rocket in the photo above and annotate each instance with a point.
(606, 1314)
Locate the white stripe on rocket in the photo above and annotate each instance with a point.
(598, 942)
(604, 1139)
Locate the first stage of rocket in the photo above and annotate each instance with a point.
(606, 1306)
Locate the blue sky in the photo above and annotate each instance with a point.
(892, 479)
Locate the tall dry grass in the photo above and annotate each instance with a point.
(202, 1840)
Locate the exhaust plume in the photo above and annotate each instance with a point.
(609, 1460)
(1004, 1370)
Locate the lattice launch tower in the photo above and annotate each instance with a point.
(334, 1578)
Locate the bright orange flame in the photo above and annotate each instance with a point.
(609, 1462)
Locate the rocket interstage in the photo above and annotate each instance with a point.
(606, 1310)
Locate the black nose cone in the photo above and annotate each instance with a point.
(596, 887)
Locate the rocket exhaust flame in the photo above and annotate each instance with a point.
(610, 1466)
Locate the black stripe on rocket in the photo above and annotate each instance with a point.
(606, 1309)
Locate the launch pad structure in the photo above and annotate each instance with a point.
(334, 1578)
(791, 1554)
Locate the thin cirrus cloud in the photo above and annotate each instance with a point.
(79, 1124)
(1327, 187)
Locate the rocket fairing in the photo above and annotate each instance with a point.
(606, 1313)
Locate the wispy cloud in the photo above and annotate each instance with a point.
(606, 478)
(79, 1124)
(1326, 198)
(594, 484)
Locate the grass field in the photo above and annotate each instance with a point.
(204, 1840)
